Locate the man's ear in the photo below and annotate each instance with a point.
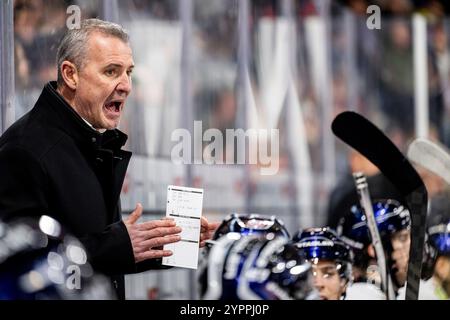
(69, 74)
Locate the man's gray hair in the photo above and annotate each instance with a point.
(74, 42)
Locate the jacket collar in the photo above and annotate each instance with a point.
(62, 115)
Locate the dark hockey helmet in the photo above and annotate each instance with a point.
(437, 244)
(437, 234)
(324, 244)
(277, 270)
(439, 238)
(242, 224)
(251, 224)
(39, 261)
(220, 271)
(390, 216)
(261, 267)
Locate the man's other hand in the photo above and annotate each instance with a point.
(207, 230)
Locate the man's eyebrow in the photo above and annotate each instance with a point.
(117, 65)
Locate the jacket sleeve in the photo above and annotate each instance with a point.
(23, 193)
(110, 252)
(22, 185)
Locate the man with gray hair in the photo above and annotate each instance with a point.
(64, 157)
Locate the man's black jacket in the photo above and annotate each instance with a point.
(52, 162)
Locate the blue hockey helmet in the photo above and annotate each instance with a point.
(437, 244)
(324, 244)
(437, 233)
(390, 216)
(236, 224)
(220, 267)
(277, 270)
(262, 267)
(251, 224)
(439, 238)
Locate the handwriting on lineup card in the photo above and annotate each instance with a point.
(184, 205)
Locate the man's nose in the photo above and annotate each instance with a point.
(398, 245)
(318, 281)
(124, 85)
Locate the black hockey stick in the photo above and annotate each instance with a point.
(365, 137)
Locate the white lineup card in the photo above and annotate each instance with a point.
(184, 205)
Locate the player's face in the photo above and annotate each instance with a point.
(401, 242)
(442, 273)
(327, 280)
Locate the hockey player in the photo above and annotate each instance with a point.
(331, 261)
(393, 221)
(256, 267)
(213, 256)
(438, 286)
(436, 269)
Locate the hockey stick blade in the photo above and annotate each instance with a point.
(367, 139)
(431, 156)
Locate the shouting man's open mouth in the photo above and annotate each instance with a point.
(113, 108)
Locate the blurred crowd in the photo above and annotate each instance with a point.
(379, 82)
(38, 27)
